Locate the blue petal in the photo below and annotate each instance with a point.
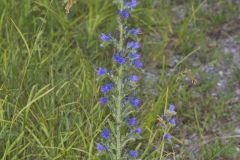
(101, 71)
(167, 136)
(105, 37)
(133, 153)
(131, 121)
(100, 147)
(104, 133)
(171, 107)
(103, 100)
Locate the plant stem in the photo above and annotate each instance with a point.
(119, 88)
(162, 149)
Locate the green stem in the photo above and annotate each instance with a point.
(119, 117)
(165, 130)
(162, 149)
(119, 98)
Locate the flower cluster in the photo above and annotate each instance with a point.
(119, 91)
(167, 121)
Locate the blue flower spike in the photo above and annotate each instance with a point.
(120, 94)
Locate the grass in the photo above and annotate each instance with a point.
(48, 91)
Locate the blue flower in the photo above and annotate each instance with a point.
(131, 121)
(134, 102)
(172, 121)
(105, 37)
(106, 88)
(171, 108)
(137, 130)
(103, 100)
(133, 78)
(167, 136)
(101, 71)
(132, 153)
(133, 56)
(119, 59)
(164, 117)
(134, 31)
(124, 14)
(133, 45)
(100, 147)
(137, 64)
(131, 4)
(104, 133)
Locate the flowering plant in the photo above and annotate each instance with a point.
(118, 94)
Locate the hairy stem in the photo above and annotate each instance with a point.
(120, 90)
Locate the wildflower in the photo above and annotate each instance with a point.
(100, 147)
(103, 100)
(133, 78)
(172, 121)
(105, 37)
(134, 31)
(131, 4)
(134, 102)
(171, 108)
(124, 14)
(137, 130)
(101, 71)
(137, 64)
(134, 56)
(123, 103)
(133, 45)
(104, 133)
(164, 118)
(106, 88)
(131, 121)
(119, 59)
(167, 136)
(133, 153)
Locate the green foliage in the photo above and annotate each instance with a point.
(48, 92)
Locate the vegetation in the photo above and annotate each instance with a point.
(49, 94)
